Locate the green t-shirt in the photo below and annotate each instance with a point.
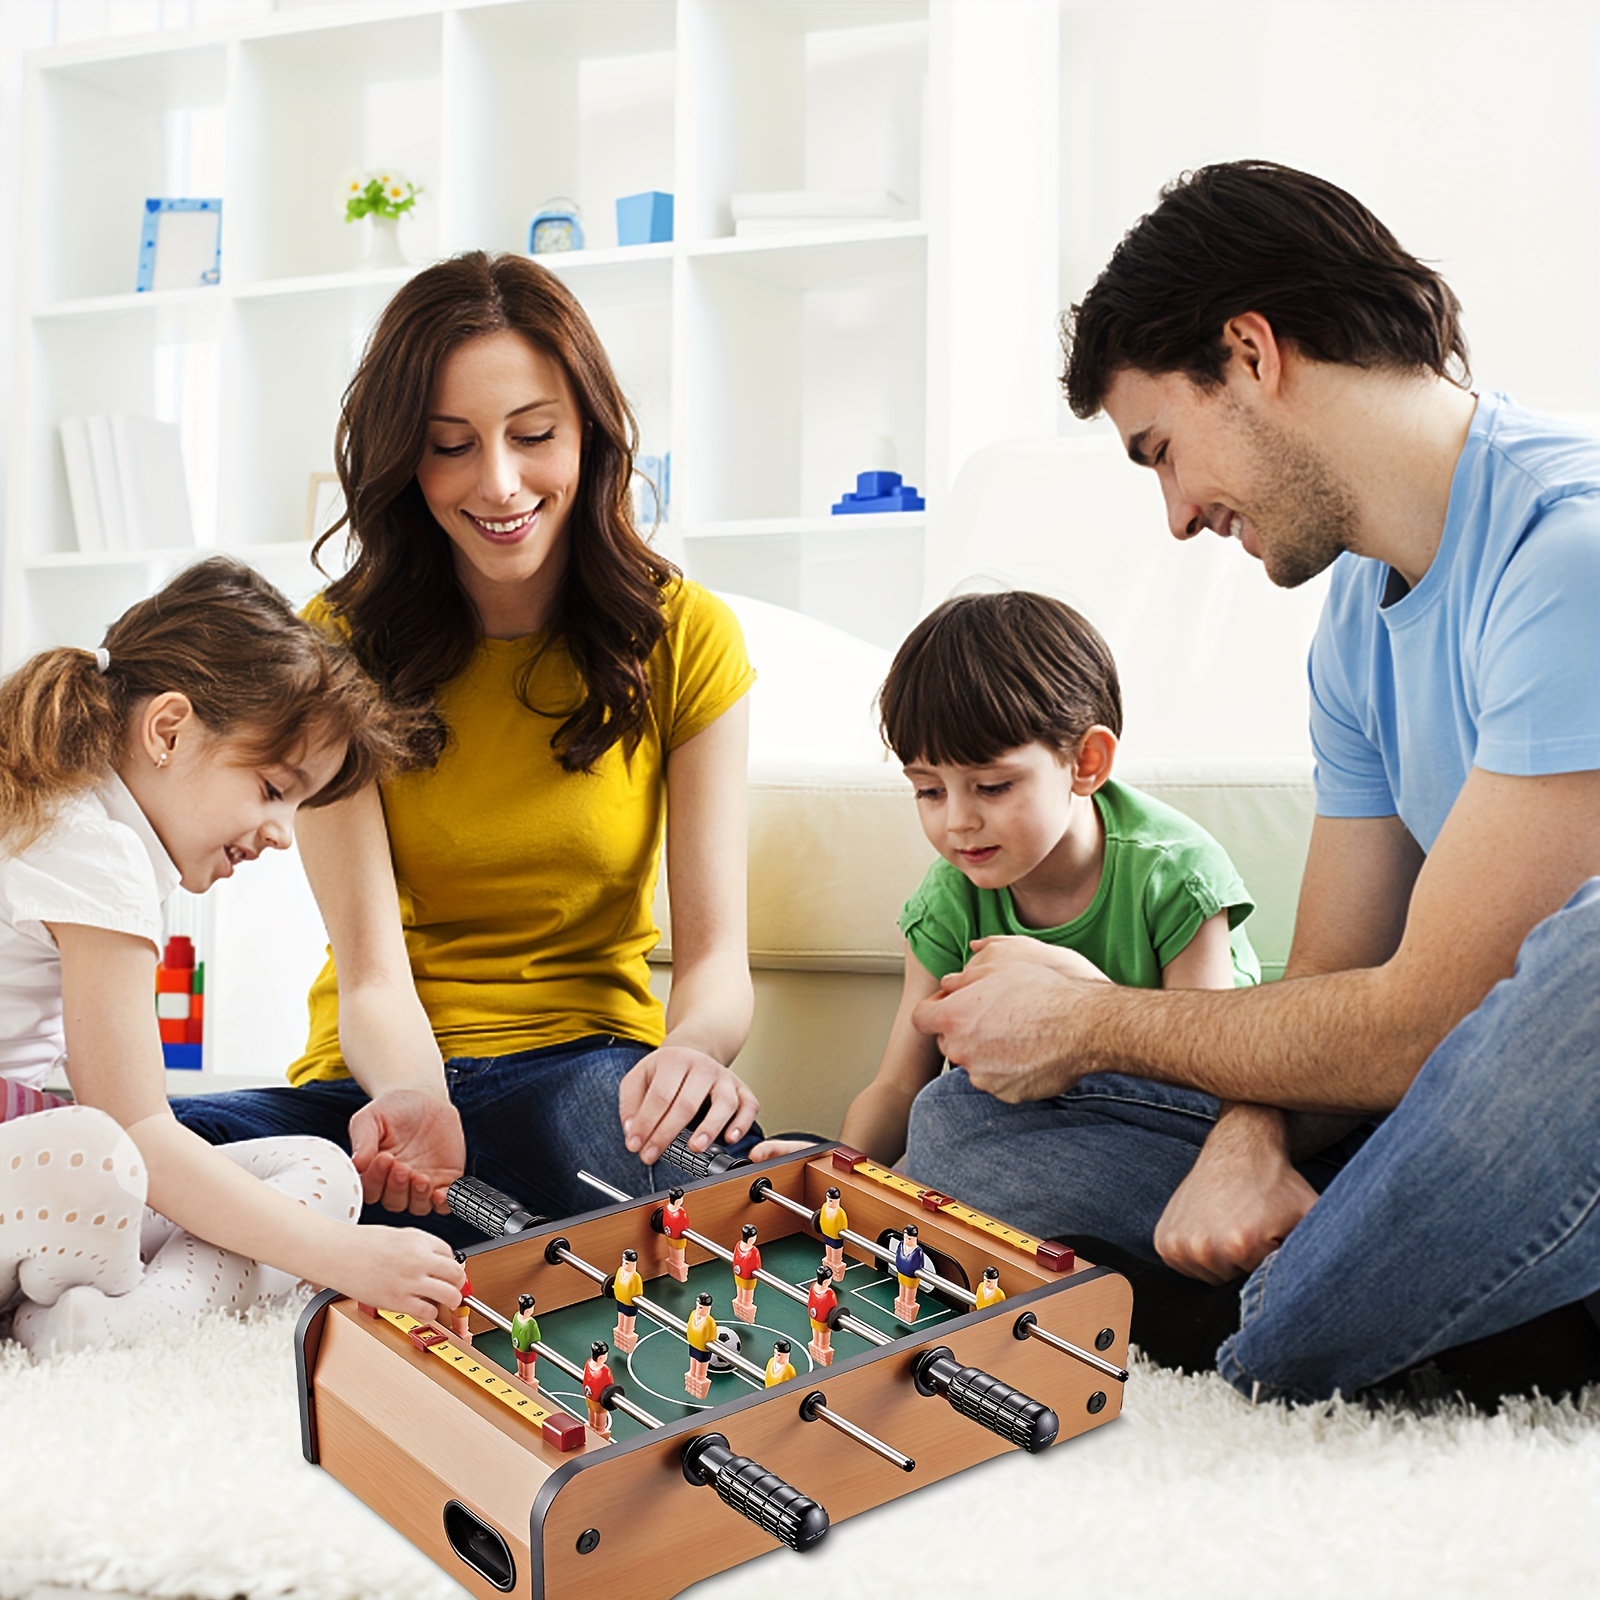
(1163, 876)
(524, 1331)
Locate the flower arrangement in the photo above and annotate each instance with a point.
(388, 193)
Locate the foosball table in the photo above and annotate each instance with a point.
(786, 1345)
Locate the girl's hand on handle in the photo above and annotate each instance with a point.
(663, 1093)
(400, 1269)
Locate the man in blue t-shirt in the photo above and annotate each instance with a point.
(1398, 1141)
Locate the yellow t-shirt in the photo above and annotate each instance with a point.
(526, 891)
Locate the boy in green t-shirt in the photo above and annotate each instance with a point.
(1006, 711)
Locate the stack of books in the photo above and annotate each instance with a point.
(794, 210)
(126, 481)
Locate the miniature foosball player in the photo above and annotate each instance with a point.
(821, 1303)
(598, 1383)
(674, 1220)
(780, 1369)
(460, 1317)
(831, 1223)
(989, 1291)
(524, 1336)
(909, 1260)
(746, 1264)
(701, 1332)
(624, 1287)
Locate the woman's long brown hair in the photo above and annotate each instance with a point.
(219, 634)
(410, 622)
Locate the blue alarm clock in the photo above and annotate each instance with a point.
(558, 226)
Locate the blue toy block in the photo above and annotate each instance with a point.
(644, 218)
(875, 485)
(879, 491)
(182, 1057)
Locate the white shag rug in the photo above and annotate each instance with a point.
(175, 1471)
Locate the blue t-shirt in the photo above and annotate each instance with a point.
(1493, 660)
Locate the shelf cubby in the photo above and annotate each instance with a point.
(570, 99)
(114, 131)
(310, 109)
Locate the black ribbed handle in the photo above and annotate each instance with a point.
(790, 1517)
(986, 1400)
(487, 1209)
(708, 1163)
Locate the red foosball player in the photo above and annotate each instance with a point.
(701, 1334)
(674, 1220)
(831, 1223)
(597, 1380)
(459, 1317)
(821, 1304)
(989, 1291)
(908, 1262)
(524, 1336)
(746, 1264)
(780, 1369)
(624, 1287)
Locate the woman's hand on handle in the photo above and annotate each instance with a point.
(664, 1092)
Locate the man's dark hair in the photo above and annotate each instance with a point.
(1255, 236)
(987, 673)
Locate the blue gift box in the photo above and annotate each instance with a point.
(644, 218)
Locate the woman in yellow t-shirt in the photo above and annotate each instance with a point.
(486, 1002)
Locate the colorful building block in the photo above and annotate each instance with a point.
(180, 1005)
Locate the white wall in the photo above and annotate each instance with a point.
(1469, 129)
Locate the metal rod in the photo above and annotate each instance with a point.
(846, 1321)
(619, 1401)
(815, 1409)
(928, 1277)
(604, 1187)
(1030, 1327)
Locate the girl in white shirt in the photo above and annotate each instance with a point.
(178, 751)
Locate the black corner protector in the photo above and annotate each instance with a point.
(307, 1339)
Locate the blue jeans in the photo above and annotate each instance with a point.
(1473, 1207)
(531, 1121)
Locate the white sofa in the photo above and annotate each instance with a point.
(1212, 663)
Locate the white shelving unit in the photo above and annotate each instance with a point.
(770, 367)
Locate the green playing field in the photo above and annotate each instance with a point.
(652, 1374)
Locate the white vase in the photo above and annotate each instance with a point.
(382, 247)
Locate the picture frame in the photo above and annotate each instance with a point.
(180, 244)
(324, 503)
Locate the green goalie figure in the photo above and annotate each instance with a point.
(524, 1336)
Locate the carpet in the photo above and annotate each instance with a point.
(174, 1470)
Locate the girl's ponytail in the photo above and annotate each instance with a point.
(61, 719)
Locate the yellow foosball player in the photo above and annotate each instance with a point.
(780, 1369)
(627, 1283)
(831, 1223)
(989, 1292)
(701, 1332)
